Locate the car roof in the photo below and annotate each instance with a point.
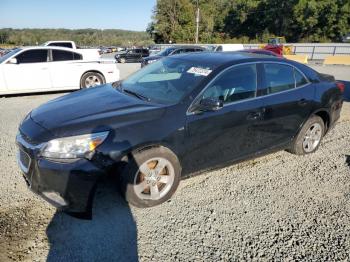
(221, 58)
(47, 47)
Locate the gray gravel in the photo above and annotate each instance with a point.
(277, 207)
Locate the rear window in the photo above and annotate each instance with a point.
(300, 80)
(278, 77)
(62, 55)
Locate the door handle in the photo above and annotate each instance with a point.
(302, 102)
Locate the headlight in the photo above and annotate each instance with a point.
(74, 146)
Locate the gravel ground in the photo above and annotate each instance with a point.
(280, 207)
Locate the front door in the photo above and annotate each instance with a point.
(31, 73)
(214, 138)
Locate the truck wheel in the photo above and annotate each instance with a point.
(91, 79)
(309, 138)
(150, 177)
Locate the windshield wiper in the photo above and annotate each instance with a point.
(136, 94)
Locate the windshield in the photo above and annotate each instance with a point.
(166, 81)
(8, 55)
(166, 52)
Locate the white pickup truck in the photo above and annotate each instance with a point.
(88, 53)
(50, 68)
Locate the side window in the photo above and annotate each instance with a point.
(178, 51)
(235, 84)
(32, 56)
(60, 55)
(77, 56)
(300, 80)
(278, 78)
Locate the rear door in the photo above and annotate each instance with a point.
(31, 73)
(65, 72)
(287, 96)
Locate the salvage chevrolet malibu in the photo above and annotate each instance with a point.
(177, 116)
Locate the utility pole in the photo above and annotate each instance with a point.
(197, 22)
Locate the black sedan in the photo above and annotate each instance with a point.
(131, 55)
(175, 117)
(175, 50)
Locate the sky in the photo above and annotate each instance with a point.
(76, 14)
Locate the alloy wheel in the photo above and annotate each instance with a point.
(312, 137)
(154, 179)
(92, 81)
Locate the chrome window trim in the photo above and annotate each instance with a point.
(256, 97)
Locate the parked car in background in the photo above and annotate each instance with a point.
(228, 47)
(179, 115)
(175, 50)
(2, 51)
(346, 38)
(132, 55)
(88, 53)
(47, 68)
(261, 52)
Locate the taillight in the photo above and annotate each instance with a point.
(341, 86)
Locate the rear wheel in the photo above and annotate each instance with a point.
(91, 79)
(151, 177)
(309, 137)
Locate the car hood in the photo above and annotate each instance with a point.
(93, 110)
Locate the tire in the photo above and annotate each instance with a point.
(91, 79)
(309, 138)
(122, 60)
(139, 188)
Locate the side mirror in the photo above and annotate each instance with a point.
(12, 61)
(209, 104)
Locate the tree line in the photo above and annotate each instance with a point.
(251, 21)
(83, 37)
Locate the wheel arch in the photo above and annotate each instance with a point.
(142, 147)
(324, 114)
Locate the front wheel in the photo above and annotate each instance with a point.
(91, 79)
(150, 177)
(309, 138)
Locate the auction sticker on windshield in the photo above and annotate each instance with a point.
(199, 71)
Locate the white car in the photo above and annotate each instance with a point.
(42, 69)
